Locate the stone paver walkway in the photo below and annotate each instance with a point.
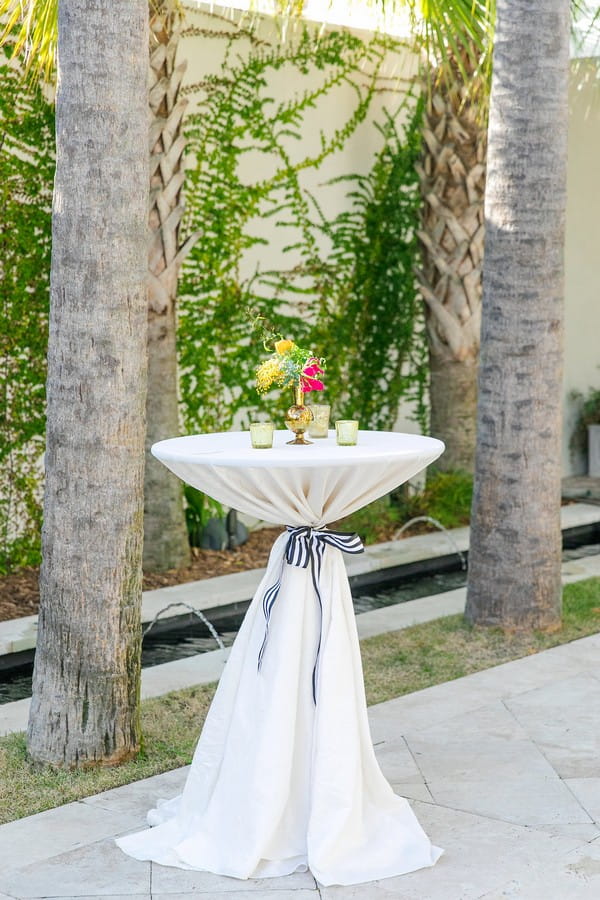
(502, 767)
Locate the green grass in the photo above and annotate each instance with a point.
(401, 662)
(394, 664)
(170, 726)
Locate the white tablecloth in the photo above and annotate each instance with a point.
(280, 782)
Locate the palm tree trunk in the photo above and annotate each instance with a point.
(515, 556)
(166, 543)
(452, 180)
(85, 705)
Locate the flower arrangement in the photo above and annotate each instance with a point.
(290, 366)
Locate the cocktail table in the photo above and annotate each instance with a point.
(284, 776)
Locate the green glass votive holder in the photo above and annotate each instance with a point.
(319, 426)
(261, 435)
(346, 432)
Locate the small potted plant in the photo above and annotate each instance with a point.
(587, 428)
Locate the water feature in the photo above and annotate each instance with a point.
(195, 612)
(440, 527)
(189, 638)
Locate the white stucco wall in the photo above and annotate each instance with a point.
(582, 254)
(204, 55)
(582, 251)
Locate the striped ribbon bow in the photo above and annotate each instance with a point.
(306, 546)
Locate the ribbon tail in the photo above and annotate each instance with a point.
(307, 546)
(315, 581)
(268, 602)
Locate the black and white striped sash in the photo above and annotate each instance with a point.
(306, 546)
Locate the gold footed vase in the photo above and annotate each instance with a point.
(298, 417)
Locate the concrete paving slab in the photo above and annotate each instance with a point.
(57, 831)
(210, 593)
(524, 801)
(302, 894)
(173, 676)
(480, 854)
(412, 790)
(587, 792)
(578, 569)
(575, 877)
(586, 833)
(96, 869)
(18, 634)
(140, 796)
(14, 716)
(564, 720)
(578, 514)
(453, 698)
(167, 880)
(517, 829)
(397, 762)
(475, 746)
(412, 612)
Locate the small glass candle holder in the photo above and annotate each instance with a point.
(346, 432)
(261, 435)
(319, 426)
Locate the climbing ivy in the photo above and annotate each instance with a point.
(363, 283)
(367, 306)
(26, 177)
(348, 289)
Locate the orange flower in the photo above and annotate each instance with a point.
(282, 347)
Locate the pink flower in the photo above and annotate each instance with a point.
(310, 384)
(312, 368)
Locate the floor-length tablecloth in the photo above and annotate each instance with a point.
(282, 780)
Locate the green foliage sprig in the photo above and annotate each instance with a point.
(237, 121)
(365, 289)
(26, 178)
(588, 414)
(447, 497)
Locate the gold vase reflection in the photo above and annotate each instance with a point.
(298, 417)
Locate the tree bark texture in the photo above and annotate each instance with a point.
(166, 544)
(453, 398)
(85, 705)
(515, 555)
(452, 182)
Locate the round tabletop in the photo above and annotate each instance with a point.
(233, 448)
(296, 484)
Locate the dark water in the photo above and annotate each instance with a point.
(193, 638)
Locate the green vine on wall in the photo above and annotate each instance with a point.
(26, 178)
(353, 272)
(348, 290)
(365, 288)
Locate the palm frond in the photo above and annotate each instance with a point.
(33, 26)
(455, 33)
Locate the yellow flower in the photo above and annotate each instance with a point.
(282, 347)
(268, 373)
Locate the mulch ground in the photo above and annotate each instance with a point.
(19, 593)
